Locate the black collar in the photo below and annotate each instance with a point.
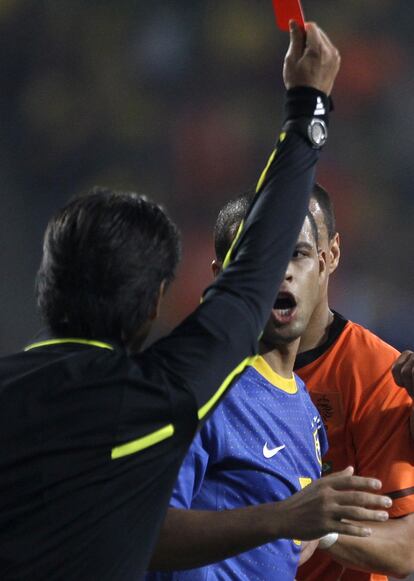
(335, 329)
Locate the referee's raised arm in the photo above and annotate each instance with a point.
(215, 343)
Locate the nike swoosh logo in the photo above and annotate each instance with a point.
(269, 453)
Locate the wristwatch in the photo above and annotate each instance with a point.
(314, 129)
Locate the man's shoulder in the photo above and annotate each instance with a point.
(356, 354)
(362, 342)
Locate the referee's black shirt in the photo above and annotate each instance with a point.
(91, 439)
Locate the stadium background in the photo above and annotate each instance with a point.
(181, 100)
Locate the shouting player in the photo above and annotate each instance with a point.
(264, 442)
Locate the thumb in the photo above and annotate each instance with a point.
(297, 41)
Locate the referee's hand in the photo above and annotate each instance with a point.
(311, 60)
(326, 506)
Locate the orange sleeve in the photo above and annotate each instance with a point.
(380, 424)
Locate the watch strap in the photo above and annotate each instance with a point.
(313, 129)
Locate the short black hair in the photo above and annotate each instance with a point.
(323, 198)
(228, 221)
(105, 256)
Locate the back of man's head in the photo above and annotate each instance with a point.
(105, 257)
(227, 223)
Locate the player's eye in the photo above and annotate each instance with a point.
(299, 253)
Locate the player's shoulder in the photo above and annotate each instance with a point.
(362, 342)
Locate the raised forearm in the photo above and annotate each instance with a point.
(389, 550)
(193, 538)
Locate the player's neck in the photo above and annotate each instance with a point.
(281, 358)
(316, 332)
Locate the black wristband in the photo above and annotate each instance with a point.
(307, 102)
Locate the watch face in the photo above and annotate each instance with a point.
(317, 132)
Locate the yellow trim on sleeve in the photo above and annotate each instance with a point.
(99, 344)
(230, 250)
(167, 431)
(287, 384)
(266, 169)
(262, 178)
(226, 383)
(141, 443)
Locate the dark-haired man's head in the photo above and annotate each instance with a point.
(300, 289)
(228, 222)
(107, 258)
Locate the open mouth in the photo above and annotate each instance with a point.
(284, 308)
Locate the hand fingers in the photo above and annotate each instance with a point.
(352, 529)
(355, 513)
(313, 40)
(297, 41)
(326, 40)
(355, 483)
(364, 499)
(346, 472)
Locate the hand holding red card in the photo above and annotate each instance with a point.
(286, 10)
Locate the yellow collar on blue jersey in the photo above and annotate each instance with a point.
(287, 384)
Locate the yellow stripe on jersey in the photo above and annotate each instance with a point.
(226, 383)
(99, 344)
(167, 431)
(260, 183)
(262, 178)
(287, 384)
(141, 443)
(230, 250)
(266, 169)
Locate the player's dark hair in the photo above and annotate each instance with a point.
(322, 197)
(105, 256)
(228, 221)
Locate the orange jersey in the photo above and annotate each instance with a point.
(367, 420)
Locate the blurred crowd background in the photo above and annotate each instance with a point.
(181, 100)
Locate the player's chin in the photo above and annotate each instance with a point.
(286, 334)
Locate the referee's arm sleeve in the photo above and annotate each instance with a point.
(212, 346)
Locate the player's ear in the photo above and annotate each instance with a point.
(322, 258)
(216, 267)
(334, 252)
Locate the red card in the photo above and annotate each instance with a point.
(286, 10)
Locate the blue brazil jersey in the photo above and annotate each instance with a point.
(262, 444)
